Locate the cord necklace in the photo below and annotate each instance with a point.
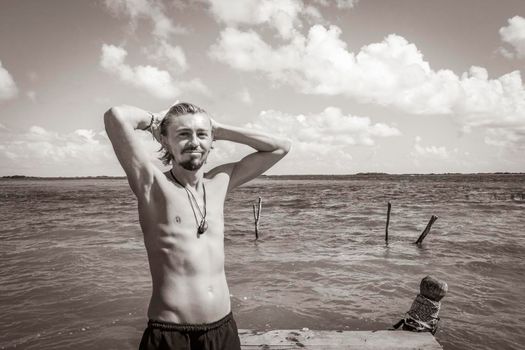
(202, 224)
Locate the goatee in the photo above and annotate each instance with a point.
(192, 165)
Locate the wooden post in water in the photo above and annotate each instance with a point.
(426, 230)
(257, 216)
(387, 222)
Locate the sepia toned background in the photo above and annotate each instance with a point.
(404, 86)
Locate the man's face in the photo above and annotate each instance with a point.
(189, 140)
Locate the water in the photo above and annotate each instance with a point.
(74, 274)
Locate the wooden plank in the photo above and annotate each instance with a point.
(285, 339)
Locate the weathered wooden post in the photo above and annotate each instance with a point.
(387, 221)
(426, 230)
(257, 216)
(423, 314)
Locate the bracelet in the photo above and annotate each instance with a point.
(151, 123)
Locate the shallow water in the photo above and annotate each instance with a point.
(74, 274)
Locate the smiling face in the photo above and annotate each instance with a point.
(189, 139)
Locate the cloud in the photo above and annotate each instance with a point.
(155, 81)
(514, 35)
(340, 4)
(158, 83)
(430, 151)
(511, 139)
(39, 146)
(80, 152)
(160, 50)
(285, 16)
(391, 73)
(151, 10)
(328, 132)
(8, 87)
(172, 56)
(329, 137)
(493, 103)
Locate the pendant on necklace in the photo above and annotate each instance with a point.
(202, 227)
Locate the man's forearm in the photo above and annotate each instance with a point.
(134, 117)
(260, 141)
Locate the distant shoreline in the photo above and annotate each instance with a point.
(282, 177)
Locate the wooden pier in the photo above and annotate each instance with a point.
(331, 340)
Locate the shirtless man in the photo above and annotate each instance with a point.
(181, 216)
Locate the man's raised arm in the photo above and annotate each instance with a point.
(121, 123)
(270, 149)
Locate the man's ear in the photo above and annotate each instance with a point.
(163, 141)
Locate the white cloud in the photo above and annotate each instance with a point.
(246, 51)
(392, 73)
(329, 137)
(430, 151)
(160, 50)
(40, 146)
(327, 132)
(346, 3)
(491, 102)
(157, 82)
(341, 4)
(514, 35)
(172, 56)
(282, 15)
(80, 152)
(8, 87)
(152, 10)
(512, 140)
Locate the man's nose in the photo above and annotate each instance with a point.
(194, 140)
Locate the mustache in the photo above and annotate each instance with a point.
(192, 149)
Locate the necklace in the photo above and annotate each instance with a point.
(202, 224)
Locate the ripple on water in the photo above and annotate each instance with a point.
(74, 270)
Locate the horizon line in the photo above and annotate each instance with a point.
(18, 176)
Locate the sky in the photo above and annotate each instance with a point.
(405, 86)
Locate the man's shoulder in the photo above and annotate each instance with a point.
(218, 180)
(220, 172)
(216, 177)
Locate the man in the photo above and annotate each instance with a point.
(181, 216)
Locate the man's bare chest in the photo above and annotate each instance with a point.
(178, 211)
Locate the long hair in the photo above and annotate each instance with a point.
(175, 111)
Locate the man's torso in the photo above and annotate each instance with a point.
(187, 268)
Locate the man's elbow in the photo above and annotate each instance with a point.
(285, 147)
(111, 117)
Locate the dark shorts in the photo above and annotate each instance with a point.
(219, 335)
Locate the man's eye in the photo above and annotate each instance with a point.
(203, 134)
